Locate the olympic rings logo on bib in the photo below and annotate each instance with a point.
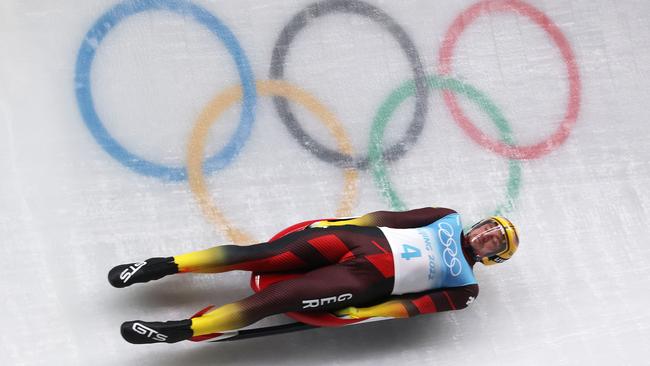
(418, 86)
(449, 256)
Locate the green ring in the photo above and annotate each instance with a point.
(406, 90)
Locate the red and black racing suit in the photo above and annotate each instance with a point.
(352, 263)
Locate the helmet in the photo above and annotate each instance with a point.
(506, 243)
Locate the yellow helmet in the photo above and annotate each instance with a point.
(504, 249)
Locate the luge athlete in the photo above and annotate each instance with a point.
(382, 264)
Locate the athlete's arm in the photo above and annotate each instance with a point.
(408, 305)
(393, 219)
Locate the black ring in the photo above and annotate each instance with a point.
(281, 49)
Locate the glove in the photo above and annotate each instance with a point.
(349, 313)
(335, 222)
(319, 224)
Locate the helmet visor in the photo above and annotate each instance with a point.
(488, 238)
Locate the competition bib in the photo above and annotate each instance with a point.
(429, 257)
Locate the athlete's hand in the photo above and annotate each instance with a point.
(340, 221)
(319, 224)
(389, 309)
(349, 313)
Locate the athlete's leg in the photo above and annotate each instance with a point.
(293, 252)
(353, 282)
(299, 251)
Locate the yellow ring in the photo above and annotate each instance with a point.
(215, 109)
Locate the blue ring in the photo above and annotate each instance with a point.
(86, 55)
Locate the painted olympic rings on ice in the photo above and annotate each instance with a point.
(278, 60)
(459, 25)
(406, 90)
(281, 91)
(85, 58)
(214, 110)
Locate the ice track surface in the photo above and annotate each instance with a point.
(537, 109)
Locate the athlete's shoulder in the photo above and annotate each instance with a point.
(470, 293)
(472, 289)
(443, 209)
(434, 211)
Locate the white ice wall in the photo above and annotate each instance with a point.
(576, 293)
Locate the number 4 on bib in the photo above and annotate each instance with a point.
(410, 252)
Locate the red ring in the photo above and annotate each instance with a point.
(261, 281)
(451, 37)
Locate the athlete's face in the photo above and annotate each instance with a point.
(487, 239)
